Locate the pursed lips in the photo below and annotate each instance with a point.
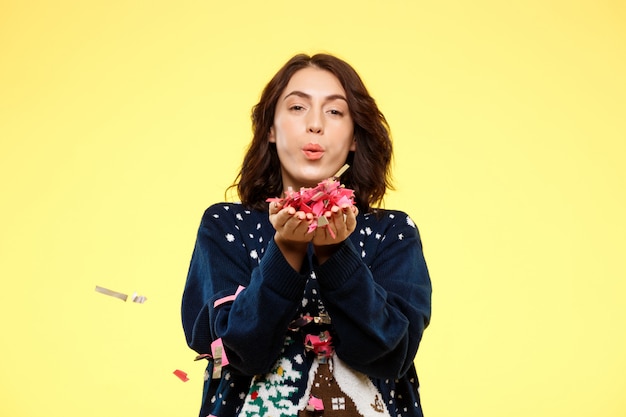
(313, 151)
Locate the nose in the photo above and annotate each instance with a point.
(315, 123)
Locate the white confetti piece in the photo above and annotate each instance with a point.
(139, 298)
(111, 293)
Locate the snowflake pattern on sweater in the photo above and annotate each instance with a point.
(376, 289)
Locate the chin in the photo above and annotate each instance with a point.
(312, 177)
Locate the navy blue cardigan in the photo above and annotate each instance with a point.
(375, 288)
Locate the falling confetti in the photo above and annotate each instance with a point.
(112, 293)
(182, 375)
(139, 298)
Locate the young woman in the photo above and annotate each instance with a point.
(309, 321)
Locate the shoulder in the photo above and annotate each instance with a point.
(229, 210)
(234, 214)
(383, 224)
(383, 218)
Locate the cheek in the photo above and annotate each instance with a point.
(349, 137)
(283, 138)
(353, 145)
(283, 130)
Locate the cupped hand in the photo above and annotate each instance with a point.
(291, 225)
(292, 231)
(342, 221)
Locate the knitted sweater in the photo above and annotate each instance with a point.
(242, 297)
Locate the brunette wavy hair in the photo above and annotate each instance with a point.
(370, 165)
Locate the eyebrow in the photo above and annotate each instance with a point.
(308, 96)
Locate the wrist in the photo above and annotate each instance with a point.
(324, 252)
(290, 245)
(293, 251)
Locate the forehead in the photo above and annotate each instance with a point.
(314, 82)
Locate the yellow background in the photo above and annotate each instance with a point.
(120, 121)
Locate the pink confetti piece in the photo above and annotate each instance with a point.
(315, 404)
(228, 298)
(182, 375)
(320, 345)
(111, 293)
(203, 356)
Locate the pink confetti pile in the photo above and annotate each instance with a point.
(318, 200)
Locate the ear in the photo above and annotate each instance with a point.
(272, 136)
(353, 145)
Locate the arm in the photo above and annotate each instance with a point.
(253, 325)
(379, 303)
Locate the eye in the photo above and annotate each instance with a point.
(335, 112)
(296, 107)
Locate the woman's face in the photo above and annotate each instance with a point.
(313, 130)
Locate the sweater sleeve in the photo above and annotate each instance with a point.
(251, 333)
(379, 298)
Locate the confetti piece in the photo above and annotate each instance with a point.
(322, 221)
(341, 171)
(219, 358)
(112, 293)
(182, 375)
(315, 404)
(139, 298)
(296, 324)
(228, 298)
(321, 345)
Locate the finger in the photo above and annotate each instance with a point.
(282, 217)
(274, 207)
(350, 220)
(300, 230)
